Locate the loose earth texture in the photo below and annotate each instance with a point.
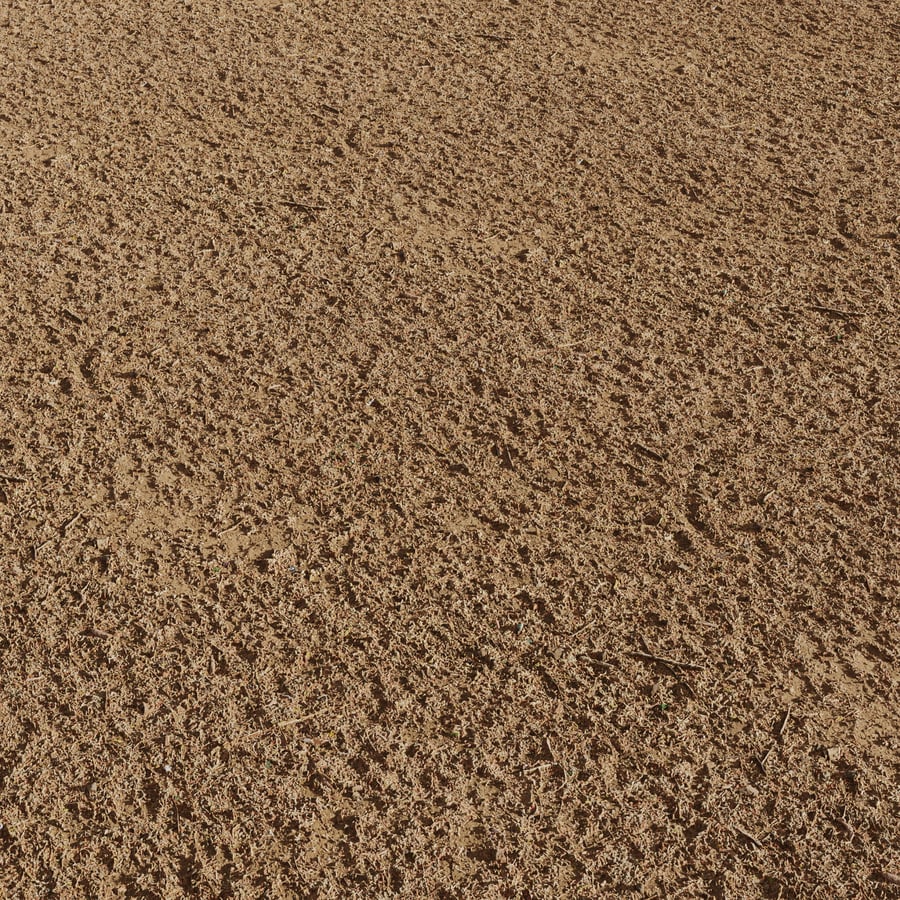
(449, 449)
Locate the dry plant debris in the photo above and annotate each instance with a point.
(449, 449)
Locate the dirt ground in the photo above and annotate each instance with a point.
(449, 450)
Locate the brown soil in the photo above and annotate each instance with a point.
(449, 450)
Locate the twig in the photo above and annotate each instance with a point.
(285, 722)
(550, 750)
(96, 632)
(648, 452)
(11, 478)
(665, 660)
(72, 316)
(537, 767)
(583, 628)
(762, 760)
(230, 528)
(748, 837)
(69, 523)
(282, 724)
(37, 549)
(306, 207)
(842, 824)
(784, 722)
(843, 313)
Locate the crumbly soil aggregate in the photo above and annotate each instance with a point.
(449, 449)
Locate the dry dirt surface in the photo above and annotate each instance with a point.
(449, 449)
